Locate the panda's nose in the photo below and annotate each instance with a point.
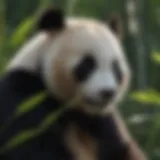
(107, 94)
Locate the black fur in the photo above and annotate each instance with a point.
(16, 87)
(19, 85)
(115, 24)
(85, 68)
(118, 72)
(51, 19)
(103, 130)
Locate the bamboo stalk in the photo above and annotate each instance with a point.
(71, 4)
(2, 24)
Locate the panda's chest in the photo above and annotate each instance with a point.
(92, 138)
(80, 144)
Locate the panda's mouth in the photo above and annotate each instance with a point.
(93, 102)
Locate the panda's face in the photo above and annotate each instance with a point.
(86, 59)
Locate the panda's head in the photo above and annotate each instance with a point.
(84, 58)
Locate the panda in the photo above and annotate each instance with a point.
(74, 58)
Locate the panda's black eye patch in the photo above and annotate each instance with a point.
(117, 71)
(84, 69)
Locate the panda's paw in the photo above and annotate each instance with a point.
(135, 153)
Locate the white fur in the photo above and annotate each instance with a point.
(29, 56)
(101, 80)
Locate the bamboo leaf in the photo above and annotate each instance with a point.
(156, 57)
(20, 138)
(21, 32)
(51, 118)
(146, 97)
(29, 104)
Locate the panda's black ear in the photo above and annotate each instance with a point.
(115, 24)
(50, 20)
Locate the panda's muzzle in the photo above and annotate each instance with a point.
(106, 96)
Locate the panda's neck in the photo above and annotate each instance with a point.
(30, 55)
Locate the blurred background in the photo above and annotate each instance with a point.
(141, 21)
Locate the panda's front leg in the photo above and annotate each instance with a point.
(133, 150)
(134, 153)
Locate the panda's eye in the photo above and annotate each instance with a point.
(84, 69)
(117, 71)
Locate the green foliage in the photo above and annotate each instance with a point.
(71, 6)
(156, 57)
(156, 154)
(153, 136)
(51, 118)
(147, 97)
(20, 34)
(22, 137)
(150, 96)
(30, 104)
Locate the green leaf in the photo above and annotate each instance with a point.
(20, 138)
(21, 32)
(156, 57)
(146, 97)
(29, 104)
(52, 117)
